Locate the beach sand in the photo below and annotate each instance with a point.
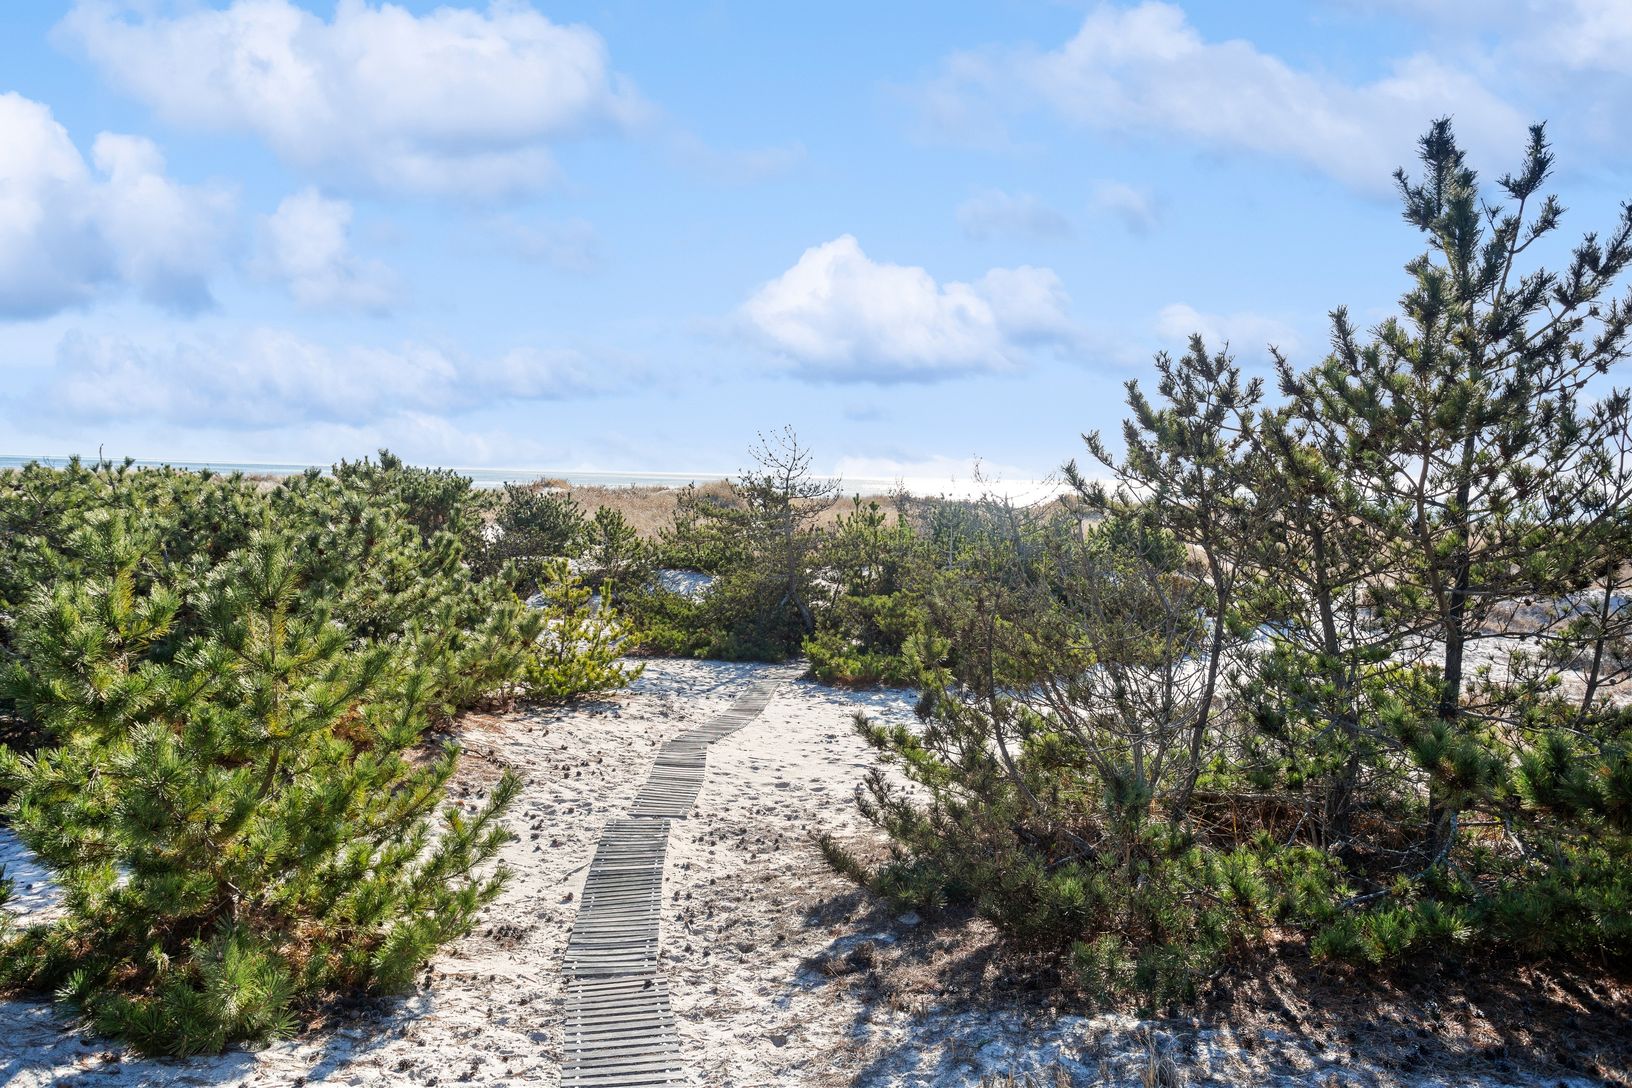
(780, 972)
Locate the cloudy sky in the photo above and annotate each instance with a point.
(624, 236)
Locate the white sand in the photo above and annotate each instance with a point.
(749, 905)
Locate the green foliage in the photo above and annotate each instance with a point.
(1239, 690)
(759, 545)
(614, 557)
(705, 533)
(234, 684)
(582, 644)
(875, 568)
(532, 526)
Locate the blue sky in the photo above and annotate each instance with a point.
(627, 236)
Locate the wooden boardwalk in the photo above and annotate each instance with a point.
(619, 1029)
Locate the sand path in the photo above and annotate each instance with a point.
(777, 971)
(620, 1031)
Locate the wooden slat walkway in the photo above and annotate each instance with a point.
(619, 1029)
(620, 1034)
(615, 932)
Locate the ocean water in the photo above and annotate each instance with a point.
(480, 477)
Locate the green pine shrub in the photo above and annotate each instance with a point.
(613, 555)
(875, 569)
(582, 642)
(229, 687)
(233, 813)
(532, 526)
(760, 545)
(1236, 690)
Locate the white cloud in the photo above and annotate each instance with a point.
(67, 231)
(454, 101)
(305, 245)
(1243, 331)
(1557, 35)
(264, 378)
(1145, 69)
(993, 213)
(839, 315)
(1593, 35)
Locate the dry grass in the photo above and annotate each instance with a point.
(1057, 1077)
(651, 509)
(1155, 1067)
(648, 509)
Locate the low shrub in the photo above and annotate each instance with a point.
(231, 688)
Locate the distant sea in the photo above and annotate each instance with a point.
(480, 477)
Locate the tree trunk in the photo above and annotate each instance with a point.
(1204, 711)
(1338, 811)
(1443, 810)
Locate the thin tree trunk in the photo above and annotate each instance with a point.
(1204, 712)
(1442, 810)
(1338, 810)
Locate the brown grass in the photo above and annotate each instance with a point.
(648, 509)
(651, 509)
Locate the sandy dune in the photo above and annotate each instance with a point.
(780, 972)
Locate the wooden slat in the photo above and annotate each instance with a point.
(619, 1030)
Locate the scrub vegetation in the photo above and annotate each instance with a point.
(1336, 662)
(219, 697)
(1343, 661)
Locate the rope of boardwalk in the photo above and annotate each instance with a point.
(619, 1030)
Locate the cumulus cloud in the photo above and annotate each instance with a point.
(69, 229)
(994, 213)
(1243, 331)
(1145, 69)
(839, 315)
(264, 378)
(305, 245)
(453, 101)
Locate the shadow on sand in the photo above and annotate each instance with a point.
(41, 1041)
(946, 1002)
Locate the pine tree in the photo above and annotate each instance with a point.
(876, 569)
(784, 499)
(233, 814)
(614, 556)
(583, 640)
(760, 543)
(1186, 463)
(225, 693)
(1463, 425)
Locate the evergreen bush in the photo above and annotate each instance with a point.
(1234, 691)
(231, 687)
